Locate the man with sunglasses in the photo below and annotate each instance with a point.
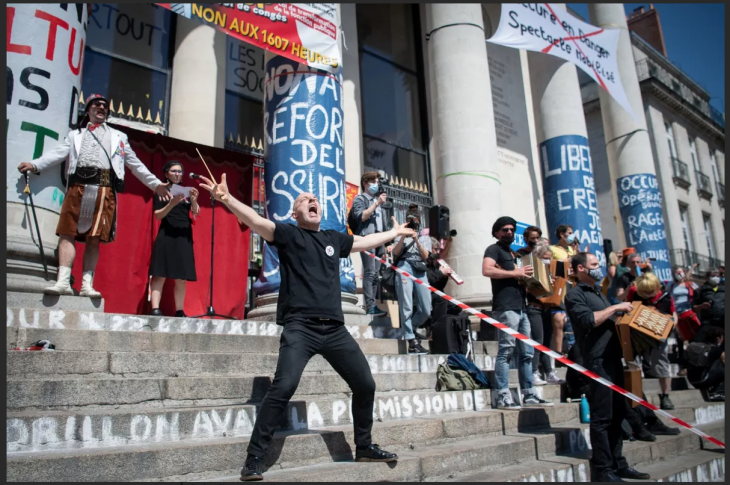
(96, 154)
(509, 306)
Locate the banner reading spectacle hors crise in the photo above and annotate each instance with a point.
(306, 32)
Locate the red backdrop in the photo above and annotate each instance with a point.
(122, 272)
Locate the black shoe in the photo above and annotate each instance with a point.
(414, 348)
(644, 435)
(180, 314)
(662, 429)
(253, 469)
(156, 312)
(665, 403)
(632, 474)
(374, 453)
(716, 397)
(607, 477)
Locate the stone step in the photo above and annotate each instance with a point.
(679, 398)
(17, 299)
(678, 383)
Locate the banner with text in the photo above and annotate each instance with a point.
(45, 47)
(546, 28)
(306, 32)
(570, 191)
(640, 203)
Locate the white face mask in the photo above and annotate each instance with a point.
(678, 276)
(713, 280)
(546, 261)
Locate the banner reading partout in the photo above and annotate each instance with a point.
(546, 28)
(306, 33)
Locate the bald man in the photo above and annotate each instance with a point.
(310, 309)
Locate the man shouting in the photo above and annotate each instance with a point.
(310, 309)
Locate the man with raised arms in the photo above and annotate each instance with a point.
(310, 309)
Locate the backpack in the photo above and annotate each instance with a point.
(460, 362)
(448, 379)
(697, 355)
(352, 222)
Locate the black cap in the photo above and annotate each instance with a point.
(501, 222)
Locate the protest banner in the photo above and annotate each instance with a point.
(306, 33)
(546, 28)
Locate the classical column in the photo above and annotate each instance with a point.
(464, 140)
(567, 171)
(198, 92)
(628, 147)
(44, 61)
(303, 146)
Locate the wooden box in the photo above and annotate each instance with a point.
(557, 297)
(642, 329)
(632, 383)
(539, 283)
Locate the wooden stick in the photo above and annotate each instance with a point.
(206, 166)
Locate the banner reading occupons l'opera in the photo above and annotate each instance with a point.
(546, 28)
(306, 33)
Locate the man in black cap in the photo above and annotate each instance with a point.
(509, 306)
(96, 155)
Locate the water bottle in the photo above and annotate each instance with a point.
(585, 411)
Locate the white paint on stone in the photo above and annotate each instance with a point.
(9, 317)
(582, 473)
(243, 425)
(709, 414)
(16, 434)
(295, 422)
(480, 400)
(87, 321)
(55, 319)
(202, 427)
(338, 410)
(44, 431)
(221, 426)
(22, 318)
(314, 417)
(70, 433)
(146, 422)
(86, 431)
(107, 434)
(437, 404)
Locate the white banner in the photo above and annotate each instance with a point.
(546, 28)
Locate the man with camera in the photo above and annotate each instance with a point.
(97, 155)
(410, 254)
(368, 215)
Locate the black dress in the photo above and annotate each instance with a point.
(173, 255)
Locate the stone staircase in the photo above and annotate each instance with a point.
(137, 398)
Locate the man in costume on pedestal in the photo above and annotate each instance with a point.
(96, 155)
(310, 309)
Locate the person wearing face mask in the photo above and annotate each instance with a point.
(626, 280)
(509, 306)
(594, 323)
(173, 255)
(438, 277)
(565, 248)
(96, 156)
(682, 289)
(709, 302)
(369, 214)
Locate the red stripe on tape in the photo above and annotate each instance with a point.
(618, 389)
(542, 348)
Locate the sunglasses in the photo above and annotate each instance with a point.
(507, 229)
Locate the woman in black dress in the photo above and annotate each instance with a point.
(173, 256)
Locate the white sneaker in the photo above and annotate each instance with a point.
(63, 285)
(554, 379)
(86, 286)
(504, 401)
(537, 380)
(532, 400)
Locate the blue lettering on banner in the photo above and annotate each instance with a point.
(570, 191)
(303, 130)
(640, 203)
(519, 241)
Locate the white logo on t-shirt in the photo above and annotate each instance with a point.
(330, 250)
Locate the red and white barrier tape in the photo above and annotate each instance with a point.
(551, 353)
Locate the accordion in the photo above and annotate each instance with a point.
(539, 283)
(642, 330)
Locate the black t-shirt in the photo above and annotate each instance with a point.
(310, 272)
(508, 293)
(625, 280)
(178, 217)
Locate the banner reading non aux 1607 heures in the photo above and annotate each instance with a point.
(546, 28)
(306, 33)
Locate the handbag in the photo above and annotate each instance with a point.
(387, 280)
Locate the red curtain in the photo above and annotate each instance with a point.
(123, 268)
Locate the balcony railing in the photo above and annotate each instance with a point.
(685, 259)
(718, 117)
(704, 188)
(681, 173)
(720, 193)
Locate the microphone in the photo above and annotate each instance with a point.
(194, 176)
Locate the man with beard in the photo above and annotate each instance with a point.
(509, 306)
(310, 309)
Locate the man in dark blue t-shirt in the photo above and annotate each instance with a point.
(310, 309)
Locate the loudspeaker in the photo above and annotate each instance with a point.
(607, 247)
(438, 222)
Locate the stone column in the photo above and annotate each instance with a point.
(628, 146)
(198, 92)
(44, 64)
(568, 185)
(465, 143)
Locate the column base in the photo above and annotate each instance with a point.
(266, 306)
(54, 302)
(24, 265)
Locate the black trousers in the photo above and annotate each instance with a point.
(537, 333)
(300, 341)
(607, 411)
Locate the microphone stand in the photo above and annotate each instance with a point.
(210, 312)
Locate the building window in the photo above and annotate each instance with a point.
(686, 228)
(244, 118)
(391, 73)
(693, 154)
(127, 59)
(709, 235)
(713, 165)
(670, 139)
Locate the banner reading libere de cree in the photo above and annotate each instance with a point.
(306, 33)
(543, 27)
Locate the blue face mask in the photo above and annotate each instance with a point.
(571, 239)
(373, 188)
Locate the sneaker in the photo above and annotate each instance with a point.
(414, 348)
(373, 453)
(644, 435)
(659, 428)
(533, 400)
(665, 403)
(253, 469)
(554, 379)
(156, 312)
(537, 380)
(504, 401)
(376, 312)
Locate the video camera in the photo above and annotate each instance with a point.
(388, 204)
